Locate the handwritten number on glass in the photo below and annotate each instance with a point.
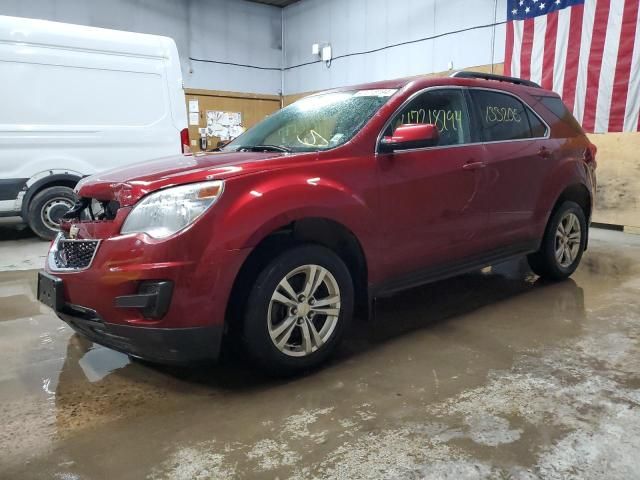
(502, 114)
(444, 120)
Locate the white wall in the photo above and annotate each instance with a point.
(361, 25)
(242, 32)
(239, 32)
(224, 30)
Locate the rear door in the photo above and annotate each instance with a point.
(433, 200)
(518, 156)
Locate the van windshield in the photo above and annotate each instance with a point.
(318, 122)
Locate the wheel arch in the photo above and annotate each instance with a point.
(56, 180)
(579, 194)
(308, 230)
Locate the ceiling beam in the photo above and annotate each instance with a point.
(275, 3)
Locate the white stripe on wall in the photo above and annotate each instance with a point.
(633, 94)
(518, 27)
(537, 50)
(562, 42)
(609, 61)
(583, 64)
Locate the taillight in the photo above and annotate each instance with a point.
(184, 140)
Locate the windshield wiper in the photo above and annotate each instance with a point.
(266, 148)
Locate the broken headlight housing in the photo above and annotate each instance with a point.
(166, 212)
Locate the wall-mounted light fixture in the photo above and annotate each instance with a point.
(324, 51)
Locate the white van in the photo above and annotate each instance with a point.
(77, 100)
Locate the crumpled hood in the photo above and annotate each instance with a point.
(128, 184)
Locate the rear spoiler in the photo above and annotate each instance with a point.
(492, 76)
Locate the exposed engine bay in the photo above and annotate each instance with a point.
(92, 209)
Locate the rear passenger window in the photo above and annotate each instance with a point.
(538, 129)
(444, 108)
(504, 117)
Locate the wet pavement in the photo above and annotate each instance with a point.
(493, 374)
(20, 249)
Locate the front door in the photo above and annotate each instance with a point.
(433, 200)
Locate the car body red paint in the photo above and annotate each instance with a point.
(410, 212)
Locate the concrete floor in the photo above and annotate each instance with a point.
(20, 249)
(489, 375)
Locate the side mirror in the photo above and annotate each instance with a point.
(410, 136)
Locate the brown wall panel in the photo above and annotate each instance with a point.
(618, 173)
(252, 106)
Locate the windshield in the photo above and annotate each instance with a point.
(318, 122)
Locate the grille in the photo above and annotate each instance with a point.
(74, 254)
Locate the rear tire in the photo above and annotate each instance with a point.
(285, 330)
(562, 245)
(46, 210)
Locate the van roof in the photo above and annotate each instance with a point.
(28, 31)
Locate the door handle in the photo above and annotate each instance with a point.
(471, 165)
(544, 152)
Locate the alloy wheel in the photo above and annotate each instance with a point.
(304, 310)
(567, 239)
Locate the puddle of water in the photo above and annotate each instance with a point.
(99, 362)
(489, 356)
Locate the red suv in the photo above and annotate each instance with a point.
(302, 221)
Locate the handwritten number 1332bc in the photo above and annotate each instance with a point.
(502, 114)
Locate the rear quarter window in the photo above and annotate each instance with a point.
(556, 106)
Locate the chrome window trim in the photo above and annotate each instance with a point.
(460, 87)
(54, 248)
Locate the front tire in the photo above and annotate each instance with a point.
(298, 310)
(47, 208)
(563, 243)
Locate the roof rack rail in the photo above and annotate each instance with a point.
(492, 76)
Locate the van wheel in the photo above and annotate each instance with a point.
(298, 310)
(47, 208)
(563, 243)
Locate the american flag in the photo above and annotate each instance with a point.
(588, 51)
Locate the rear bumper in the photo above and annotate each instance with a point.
(161, 345)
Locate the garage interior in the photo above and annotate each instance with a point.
(491, 374)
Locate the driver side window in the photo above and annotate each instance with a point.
(444, 108)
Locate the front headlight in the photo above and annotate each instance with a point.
(165, 212)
